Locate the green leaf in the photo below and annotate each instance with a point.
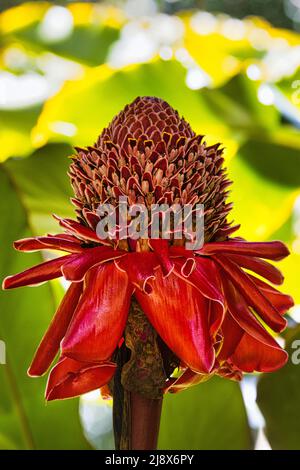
(6, 444)
(87, 41)
(266, 183)
(91, 102)
(290, 88)
(221, 56)
(26, 421)
(227, 53)
(88, 44)
(278, 399)
(228, 114)
(275, 162)
(15, 129)
(237, 103)
(42, 181)
(207, 416)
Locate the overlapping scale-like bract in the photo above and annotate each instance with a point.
(151, 155)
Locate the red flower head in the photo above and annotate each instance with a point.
(207, 305)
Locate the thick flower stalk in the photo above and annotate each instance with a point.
(149, 316)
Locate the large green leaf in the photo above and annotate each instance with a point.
(88, 43)
(15, 130)
(274, 161)
(228, 54)
(265, 185)
(278, 399)
(44, 185)
(225, 49)
(230, 112)
(91, 102)
(86, 36)
(237, 104)
(25, 419)
(208, 416)
(290, 88)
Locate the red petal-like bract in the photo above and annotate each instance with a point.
(71, 378)
(140, 268)
(178, 312)
(100, 317)
(36, 275)
(252, 294)
(186, 380)
(252, 355)
(49, 243)
(208, 306)
(268, 250)
(76, 267)
(49, 345)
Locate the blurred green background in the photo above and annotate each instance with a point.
(66, 70)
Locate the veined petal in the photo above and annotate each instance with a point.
(232, 334)
(260, 267)
(206, 278)
(81, 231)
(282, 302)
(101, 315)
(76, 267)
(179, 251)
(48, 243)
(70, 378)
(246, 353)
(269, 250)
(178, 312)
(49, 345)
(228, 371)
(66, 236)
(37, 274)
(186, 380)
(216, 314)
(188, 267)
(239, 310)
(140, 268)
(161, 248)
(252, 294)
(252, 355)
(105, 392)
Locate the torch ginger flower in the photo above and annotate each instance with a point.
(207, 306)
